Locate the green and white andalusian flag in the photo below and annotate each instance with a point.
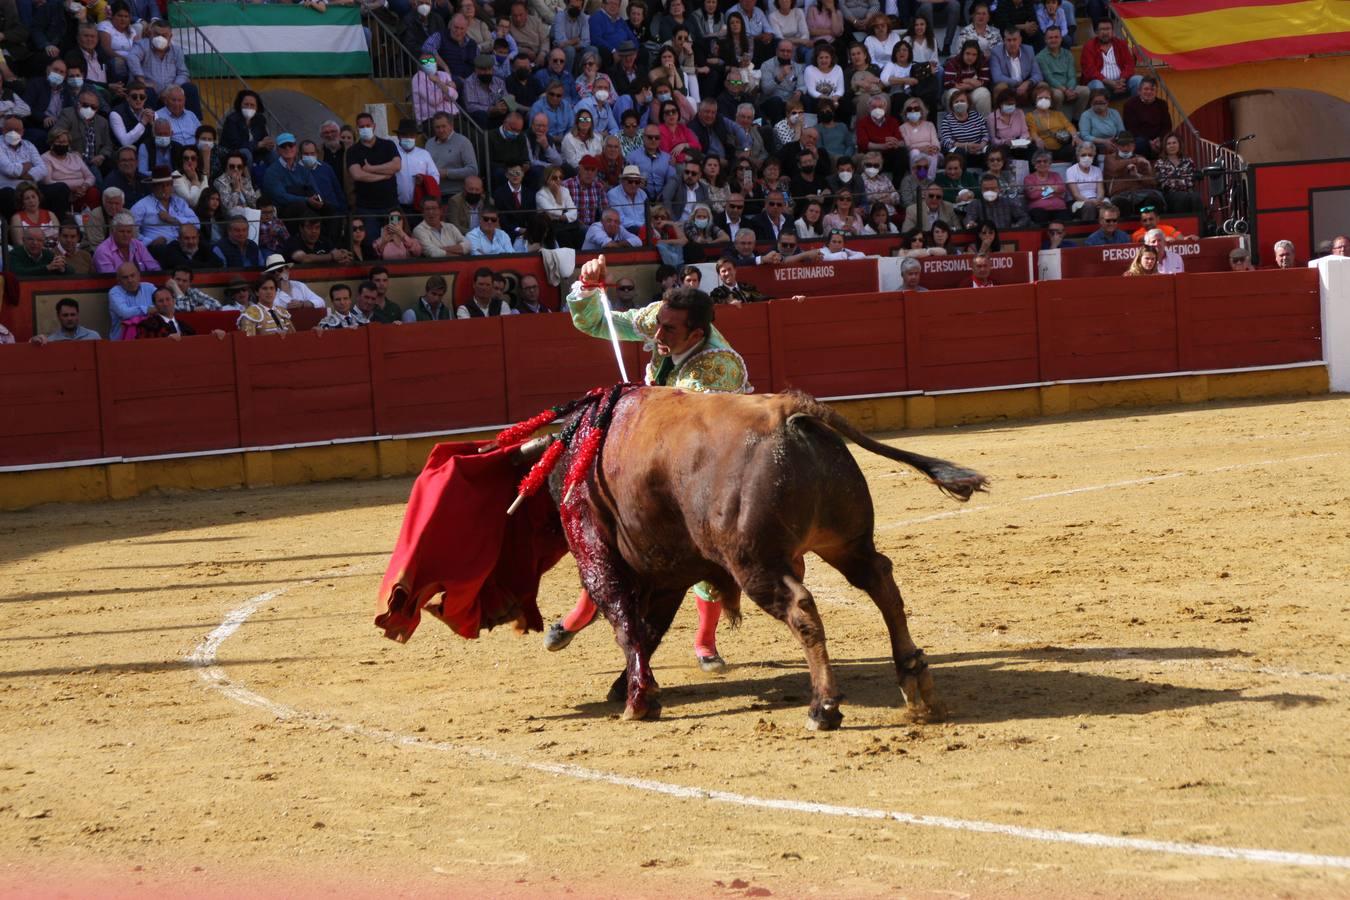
(266, 40)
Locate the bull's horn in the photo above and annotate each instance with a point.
(531, 450)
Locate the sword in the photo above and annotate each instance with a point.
(613, 333)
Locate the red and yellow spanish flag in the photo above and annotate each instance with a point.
(1207, 34)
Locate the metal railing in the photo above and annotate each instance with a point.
(1221, 172)
(217, 81)
(392, 68)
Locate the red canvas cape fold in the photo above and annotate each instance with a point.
(457, 540)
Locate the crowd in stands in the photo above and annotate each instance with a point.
(699, 128)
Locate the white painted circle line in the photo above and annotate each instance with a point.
(204, 657)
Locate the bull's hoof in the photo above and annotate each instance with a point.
(618, 691)
(926, 714)
(650, 711)
(825, 717)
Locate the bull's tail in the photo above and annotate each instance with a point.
(951, 479)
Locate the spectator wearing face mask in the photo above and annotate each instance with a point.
(1086, 189)
(245, 129)
(90, 136)
(417, 166)
(419, 25)
(64, 167)
(992, 206)
(373, 164)
(157, 152)
(433, 91)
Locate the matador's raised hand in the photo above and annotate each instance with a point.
(593, 273)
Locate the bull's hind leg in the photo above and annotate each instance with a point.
(781, 594)
(870, 571)
(661, 612)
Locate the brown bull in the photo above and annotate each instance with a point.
(736, 490)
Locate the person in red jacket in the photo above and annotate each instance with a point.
(1108, 64)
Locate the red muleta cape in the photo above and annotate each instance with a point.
(457, 540)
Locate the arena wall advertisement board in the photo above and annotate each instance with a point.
(945, 272)
(1200, 255)
(845, 276)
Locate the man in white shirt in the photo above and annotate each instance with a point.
(438, 237)
(416, 161)
(1084, 182)
(290, 294)
(1169, 263)
(609, 233)
(484, 301)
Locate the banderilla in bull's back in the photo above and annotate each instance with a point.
(731, 489)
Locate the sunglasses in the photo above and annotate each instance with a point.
(1109, 221)
(774, 203)
(583, 118)
(357, 226)
(788, 246)
(627, 287)
(487, 218)
(136, 96)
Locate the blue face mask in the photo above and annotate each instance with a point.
(508, 133)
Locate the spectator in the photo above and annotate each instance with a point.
(159, 214)
(438, 237)
(932, 208)
(1108, 231)
(79, 261)
(485, 96)
(381, 310)
(291, 294)
(920, 135)
(452, 153)
(126, 177)
(530, 33)
(485, 300)
(557, 108)
(514, 202)
(844, 217)
(121, 246)
(1145, 262)
(1169, 263)
(236, 251)
(1054, 237)
(625, 294)
(417, 174)
(1053, 15)
(1240, 260)
(1086, 188)
(328, 184)
(679, 197)
(653, 163)
(430, 307)
(959, 184)
(309, 246)
(609, 233)
(1149, 219)
(454, 50)
(359, 243)
(44, 95)
(608, 29)
(700, 228)
(479, 29)
(1060, 71)
(665, 235)
(90, 137)
(289, 184)
(994, 207)
(130, 298)
(188, 180)
(1340, 245)
(1147, 118)
(1130, 180)
(183, 122)
(1007, 126)
(780, 80)
(33, 257)
(264, 316)
(132, 119)
(30, 214)
(96, 221)
(983, 34)
(587, 192)
(911, 271)
(823, 79)
(629, 199)
(729, 290)
(582, 140)
(1100, 124)
(488, 239)
(529, 296)
(186, 297)
(69, 327)
(1013, 67)
(245, 129)
(157, 152)
(213, 218)
(433, 91)
(987, 238)
(962, 131)
(336, 140)
(373, 164)
(394, 241)
(418, 26)
(771, 223)
(1108, 64)
(1284, 254)
(238, 295)
(1045, 192)
(187, 250)
(507, 146)
(160, 65)
(463, 208)
(555, 201)
(19, 163)
(835, 249)
(162, 320)
(810, 225)
(340, 311)
(1176, 176)
(717, 136)
(1049, 129)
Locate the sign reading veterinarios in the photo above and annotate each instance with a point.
(266, 40)
(844, 276)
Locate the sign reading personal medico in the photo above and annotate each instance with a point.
(813, 279)
(1200, 255)
(942, 272)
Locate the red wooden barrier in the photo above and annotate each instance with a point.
(1105, 327)
(437, 375)
(206, 320)
(50, 400)
(845, 276)
(1237, 319)
(166, 396)
(1203, 255)
(305, 387)
(944, 272)
(971, 338)
(549, 362)
(747, 328)
(837, 346)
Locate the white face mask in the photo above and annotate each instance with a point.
(960, 107)
(794, 117)
(13, 138)
(365, 132)
(423, 9)
(55, 79)
(1008, 109)
(1085, 162)
(872, 171)
(87, 113)
(407, 143)
(602, 96)
(1126, 154)
(309, 162)
(1043, 103)
(159, 42)
(989, 196)
(878, 114)
(205, 146)
(163, 140)
(700, 222)
(846, 176)
(248, 113)
(75, 82)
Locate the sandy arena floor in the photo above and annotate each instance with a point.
(1142, 634)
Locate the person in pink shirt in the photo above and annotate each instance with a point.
(433, 91)
(69, 169)
(920, 135)
(1046, 193)
(1007, 123)
(122, 246)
